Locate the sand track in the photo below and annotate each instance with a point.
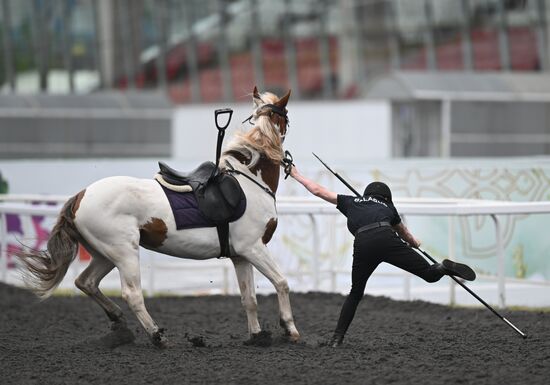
(62, 341)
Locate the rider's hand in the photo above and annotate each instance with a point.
(416, 242)
(294, 171)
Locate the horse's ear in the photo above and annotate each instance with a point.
(256, 93)
(283, 101)
(256, 97)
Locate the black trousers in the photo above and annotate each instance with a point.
(369, 250)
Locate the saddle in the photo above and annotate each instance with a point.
(218, 194)
(200, 175)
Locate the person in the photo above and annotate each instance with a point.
(380, 236)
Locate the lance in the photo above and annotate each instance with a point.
(424, 253)
(337, 176)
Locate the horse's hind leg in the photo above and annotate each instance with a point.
(128, 267)
(260, 257)
(245, 277)
(88, 281)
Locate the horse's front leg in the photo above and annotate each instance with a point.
(261, 258)
(245, 277)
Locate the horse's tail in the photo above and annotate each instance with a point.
(44, 270)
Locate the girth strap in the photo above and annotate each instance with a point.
(223, 237)
(231, 169)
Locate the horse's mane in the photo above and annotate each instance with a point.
(262, 139)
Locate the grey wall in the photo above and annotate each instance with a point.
(351, 131)
(85, 126)
(500, 129)
(478, 129)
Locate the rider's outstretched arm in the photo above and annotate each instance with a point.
(313, 187)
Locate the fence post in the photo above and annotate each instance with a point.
(225, 280)
(151, 283)
(500, 256)
(452, 284)
(406, 277)
(315, 248)
(407, 287)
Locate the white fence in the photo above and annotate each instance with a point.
(158, 275)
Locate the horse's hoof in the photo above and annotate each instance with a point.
(290, 332)
(159, 340)
(293, 337)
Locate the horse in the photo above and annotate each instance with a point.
(112, 217)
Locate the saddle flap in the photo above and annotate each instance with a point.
(213, 205)
(230, 189)
(220, 199)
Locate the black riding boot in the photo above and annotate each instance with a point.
(460, 270)
(336, 340)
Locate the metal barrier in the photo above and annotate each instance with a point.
(312, 208)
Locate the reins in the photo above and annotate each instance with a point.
(287, 162)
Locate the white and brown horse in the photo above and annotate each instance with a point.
(113, 216)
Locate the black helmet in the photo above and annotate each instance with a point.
(378, 188)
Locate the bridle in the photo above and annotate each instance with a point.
(269, 110)
(287, 160)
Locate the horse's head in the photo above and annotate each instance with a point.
(261, 147)
(273, 109)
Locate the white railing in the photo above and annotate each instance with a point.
(314, 208)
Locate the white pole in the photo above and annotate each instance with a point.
(406, 277)
(500, 261)
(3, 247)
(407, 286)
(151, 285)
(225, 280)
(315, 248)
(452, 284)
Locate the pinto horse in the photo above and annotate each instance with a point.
(113, 216)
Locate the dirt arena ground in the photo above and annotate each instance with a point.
(62, 341)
